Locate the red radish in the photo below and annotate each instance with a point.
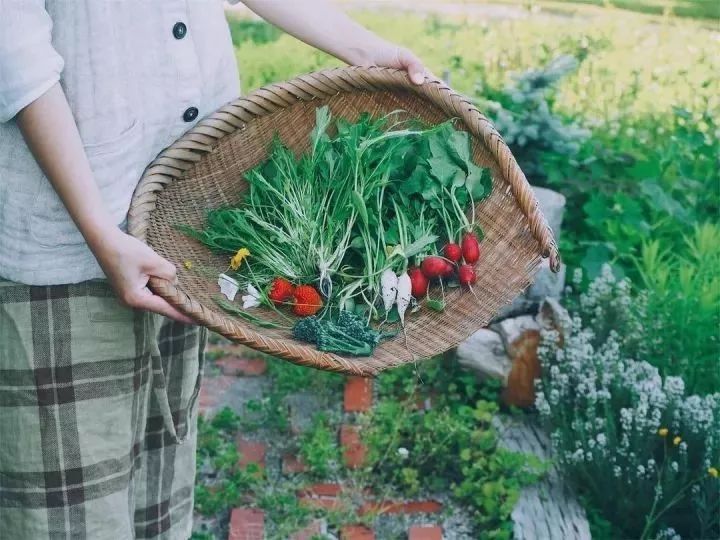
(449, 270)
(466, 275)
(453, 252)
(470, 248)
(419, 282)
(434, 267)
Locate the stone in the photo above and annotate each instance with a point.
(552, 205)
(546, 283)
(552, 316)
(484, 353)
(514, 328)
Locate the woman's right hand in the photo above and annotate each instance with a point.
(129, 264)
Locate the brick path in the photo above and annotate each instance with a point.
(235, 374)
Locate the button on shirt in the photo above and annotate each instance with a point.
(137, 75)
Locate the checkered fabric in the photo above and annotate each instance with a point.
(97, 416)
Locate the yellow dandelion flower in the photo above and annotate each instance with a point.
(188, 264)
(239, 257)
(663, 432)
(677, 440)
(712, 471)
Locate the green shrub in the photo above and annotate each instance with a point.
(453, 447)
(644, 451)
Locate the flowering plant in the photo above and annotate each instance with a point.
(643, 451)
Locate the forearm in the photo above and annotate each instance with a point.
(322, 25)
(49, 129)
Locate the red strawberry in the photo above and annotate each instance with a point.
(307, 301)
(281, 290)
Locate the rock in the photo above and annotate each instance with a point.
(521, 337)
(514, 328)
(546, 283)
(552, 205)
(484, 353)
(552, 316)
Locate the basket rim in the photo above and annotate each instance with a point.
(180, 156)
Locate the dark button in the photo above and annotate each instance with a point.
(190, 114)
(179, 30)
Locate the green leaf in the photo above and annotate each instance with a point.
(595, 257)
(360, 207)
(664, 202)
(478, 183)
(418, 245)
(436, 305)
(443, 169)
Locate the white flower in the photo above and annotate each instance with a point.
(252, 298)
(403, 453)
(228, 286)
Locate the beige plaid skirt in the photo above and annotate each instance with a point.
(97, 416)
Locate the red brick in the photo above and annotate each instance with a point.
(353, 449)
(315, 528)
(356, 532)
(326, 503)
(390, 507)
(250, 452)
(236, 366)
(358, 394)
(425, 532)
(247, 524)
(321, 490)
(212, 390)
(292, 464)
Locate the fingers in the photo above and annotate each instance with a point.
(413, 65)
(162, 268)
(148, 301)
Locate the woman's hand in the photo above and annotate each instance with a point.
(323, 25)
(386, 54)
(51, 134)
(129, 264)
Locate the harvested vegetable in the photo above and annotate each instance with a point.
(419, 282)
(349, 334)
(306, 301)
(389, 288)
(466, 275)
(435, 267)
(453, 252)
(470, 248)
(368, 200)
(281, 291)
(404, 294)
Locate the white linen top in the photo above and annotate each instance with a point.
(137, 75)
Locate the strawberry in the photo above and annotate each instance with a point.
(281, 290)
(307, 301)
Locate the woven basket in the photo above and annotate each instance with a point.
(204, 169)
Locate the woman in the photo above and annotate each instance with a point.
(98, 376)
